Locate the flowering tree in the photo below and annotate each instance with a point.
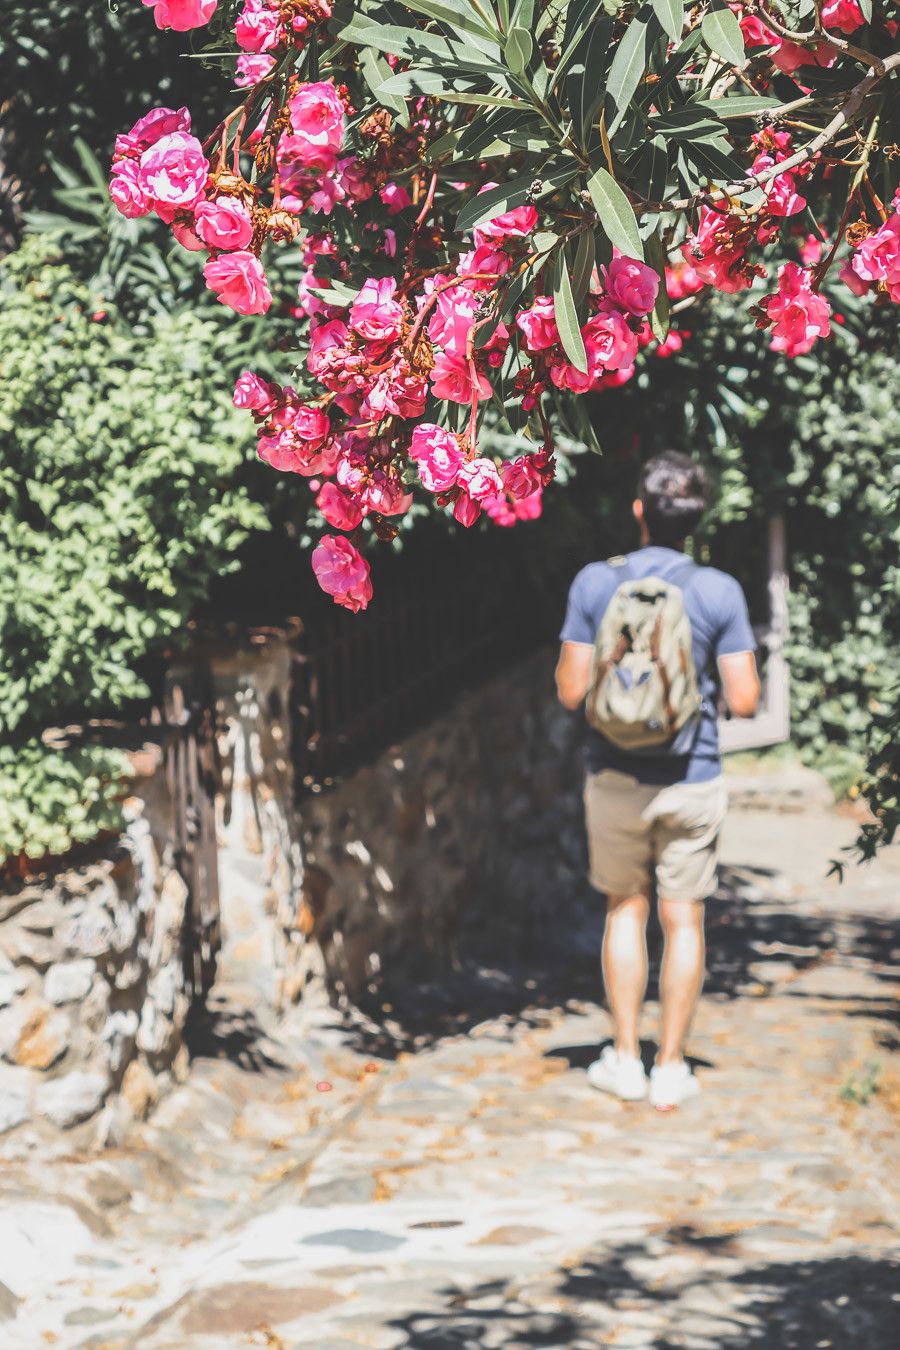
(499, 203)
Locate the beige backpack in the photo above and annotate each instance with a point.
(643, 694)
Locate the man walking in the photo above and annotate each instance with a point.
(641, 641)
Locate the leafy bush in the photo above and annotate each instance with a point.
(52, 800)
(120, 498)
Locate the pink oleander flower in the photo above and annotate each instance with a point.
(790, 56)
(682, 280)
(223, 223)
(508, 513)
(384, 494)
(799, 316)
(375, 315)
(755, 32)
(878, 257)
(671, 344)
(182, 15)
(852, 279)
(174, 170)
(239, 281)
(255, 394)
(454, 379)
(609, 342)
(480, 479)
(844, 15)
(355, 179)
(713, 254)
(341, 510)
(127, 192)
(466, 510)
(395, 198)
(631, 284)
(515, 224)
(342, 572)
(186, 236)
(252, 68)
(811, 250)
(438, 456)
(452, 319)
(317, 125)
(521, 476)
(487, 261)
(258, 27)
(150, 128)
(538, 325)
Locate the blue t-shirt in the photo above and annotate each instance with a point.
(720, 626)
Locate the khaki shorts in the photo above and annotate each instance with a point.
(638, 830)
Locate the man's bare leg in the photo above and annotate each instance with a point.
(625, 966)
(681, 975)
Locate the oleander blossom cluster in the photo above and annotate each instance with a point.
(410, 327)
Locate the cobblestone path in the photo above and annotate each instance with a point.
(471, 1190)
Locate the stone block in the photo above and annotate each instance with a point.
(33, 1035)
(69, 1100)
(139, 1089)
(89, 933)
(117, 1039)
(14, 1107)
(13, 983)
(43, 917)
(70, 981)
(29, 949)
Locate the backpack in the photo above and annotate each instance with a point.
(644, 696)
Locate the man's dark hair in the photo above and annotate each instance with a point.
(673, 491)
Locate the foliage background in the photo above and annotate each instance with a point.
(130, 499)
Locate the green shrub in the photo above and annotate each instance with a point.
(120, 498)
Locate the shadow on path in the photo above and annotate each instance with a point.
(523, 985)
(223, 1031)
(844, 1303)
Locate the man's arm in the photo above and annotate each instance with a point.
(740, 683)
(573, 673)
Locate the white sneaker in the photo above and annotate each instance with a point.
(672, 1084)
(621, 1075)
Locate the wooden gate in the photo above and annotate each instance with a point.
(192, 778)
(772, 723)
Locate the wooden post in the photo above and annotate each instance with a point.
(772, 724)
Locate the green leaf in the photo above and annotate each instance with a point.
(714, 164)
(434, 83)
(416, 45)
(480, 100)
(649, 169)
(583, 267)
(486, 205)
(692, 122)
(616, 214)
(740, 105)
(671, 15)
(866, 7)
(585, 81)
(656, 257)
(626, 72)
(454, 13)
(519, 47)
(722, 35)
(566, 315)
(375, 72)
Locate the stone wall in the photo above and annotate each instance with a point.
(472, 827)
(92, 990)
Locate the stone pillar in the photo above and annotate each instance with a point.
(92, 993)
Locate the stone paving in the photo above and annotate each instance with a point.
(460, 1185)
